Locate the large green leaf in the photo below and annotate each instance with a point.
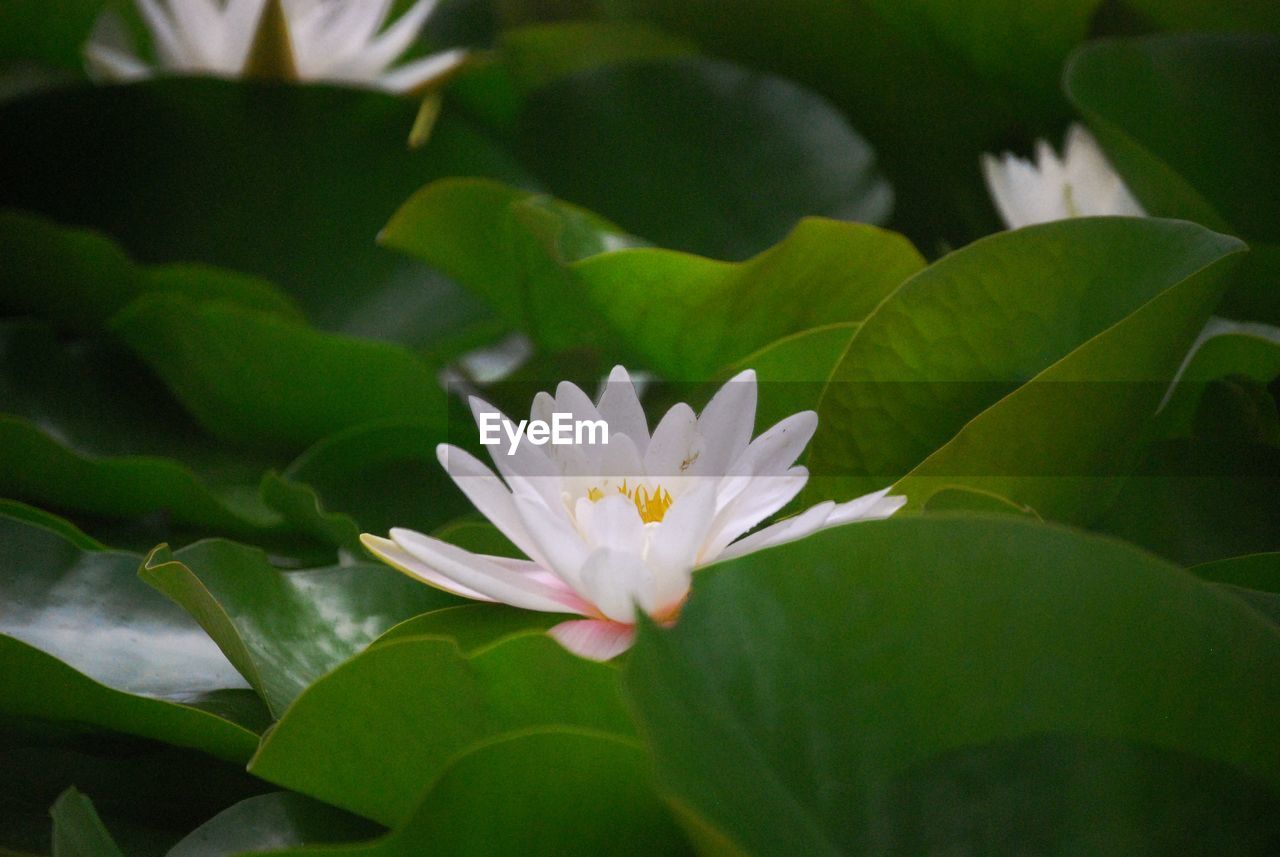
(255, 378)
(1260, 571)
(547, 792)
(1185, 120)
(77, 830)
(275, 820)
(372, 734)
(684, 315)
(87, 430)
(287, 182)
(86, 644)
(284, 629)
(804, 689)
(1098, 310)
(78, 279)
(699, 155)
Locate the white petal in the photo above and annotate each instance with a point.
(489, 495)
(675, 444)
(394, 555)
(726, 425)
(612, 522)
(528, 469)
(397, 38)
(480, 575)
(620, 405)
(170, 47)
(675, 544)
(797, 527)
(555, 539)
(870, 507)
(615, 582)
(420, 73)
(108, 63)
(596, 639)
(763, 496)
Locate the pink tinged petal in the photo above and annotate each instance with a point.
(726, 425)
(481, 575)
(488, 494)
(400, 559)
(615, 582)
(620, 406)
(675, 445)
(596, 639)
(421, 73)
(764, 496)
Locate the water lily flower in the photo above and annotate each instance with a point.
(345, 41)
(614, 528)
(1082, 183)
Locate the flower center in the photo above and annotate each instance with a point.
(652, 505)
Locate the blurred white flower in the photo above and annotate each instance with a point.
(1082, 183)
(612, 528)
(345, 41)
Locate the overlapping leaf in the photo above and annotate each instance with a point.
(284, 629)
(814, 696)
(405, 708)
(684, 315)
(1095, 309)
(87, 645)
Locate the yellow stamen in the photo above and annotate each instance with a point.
(652, 505)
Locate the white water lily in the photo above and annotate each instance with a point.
(1082, 183)
(612, 529)
(345, 41)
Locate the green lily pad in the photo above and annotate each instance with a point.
(86, 430)
(546, 792)
(683, 315)
(90, 647)
(699, 155)
(371, 735)
(804, 688)
(981, 365)
(78, 278)
(272, 821)
(284, 629)
(254, 378)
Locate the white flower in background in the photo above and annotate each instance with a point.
(345, 41)
(1082, 183)
(614, 528)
